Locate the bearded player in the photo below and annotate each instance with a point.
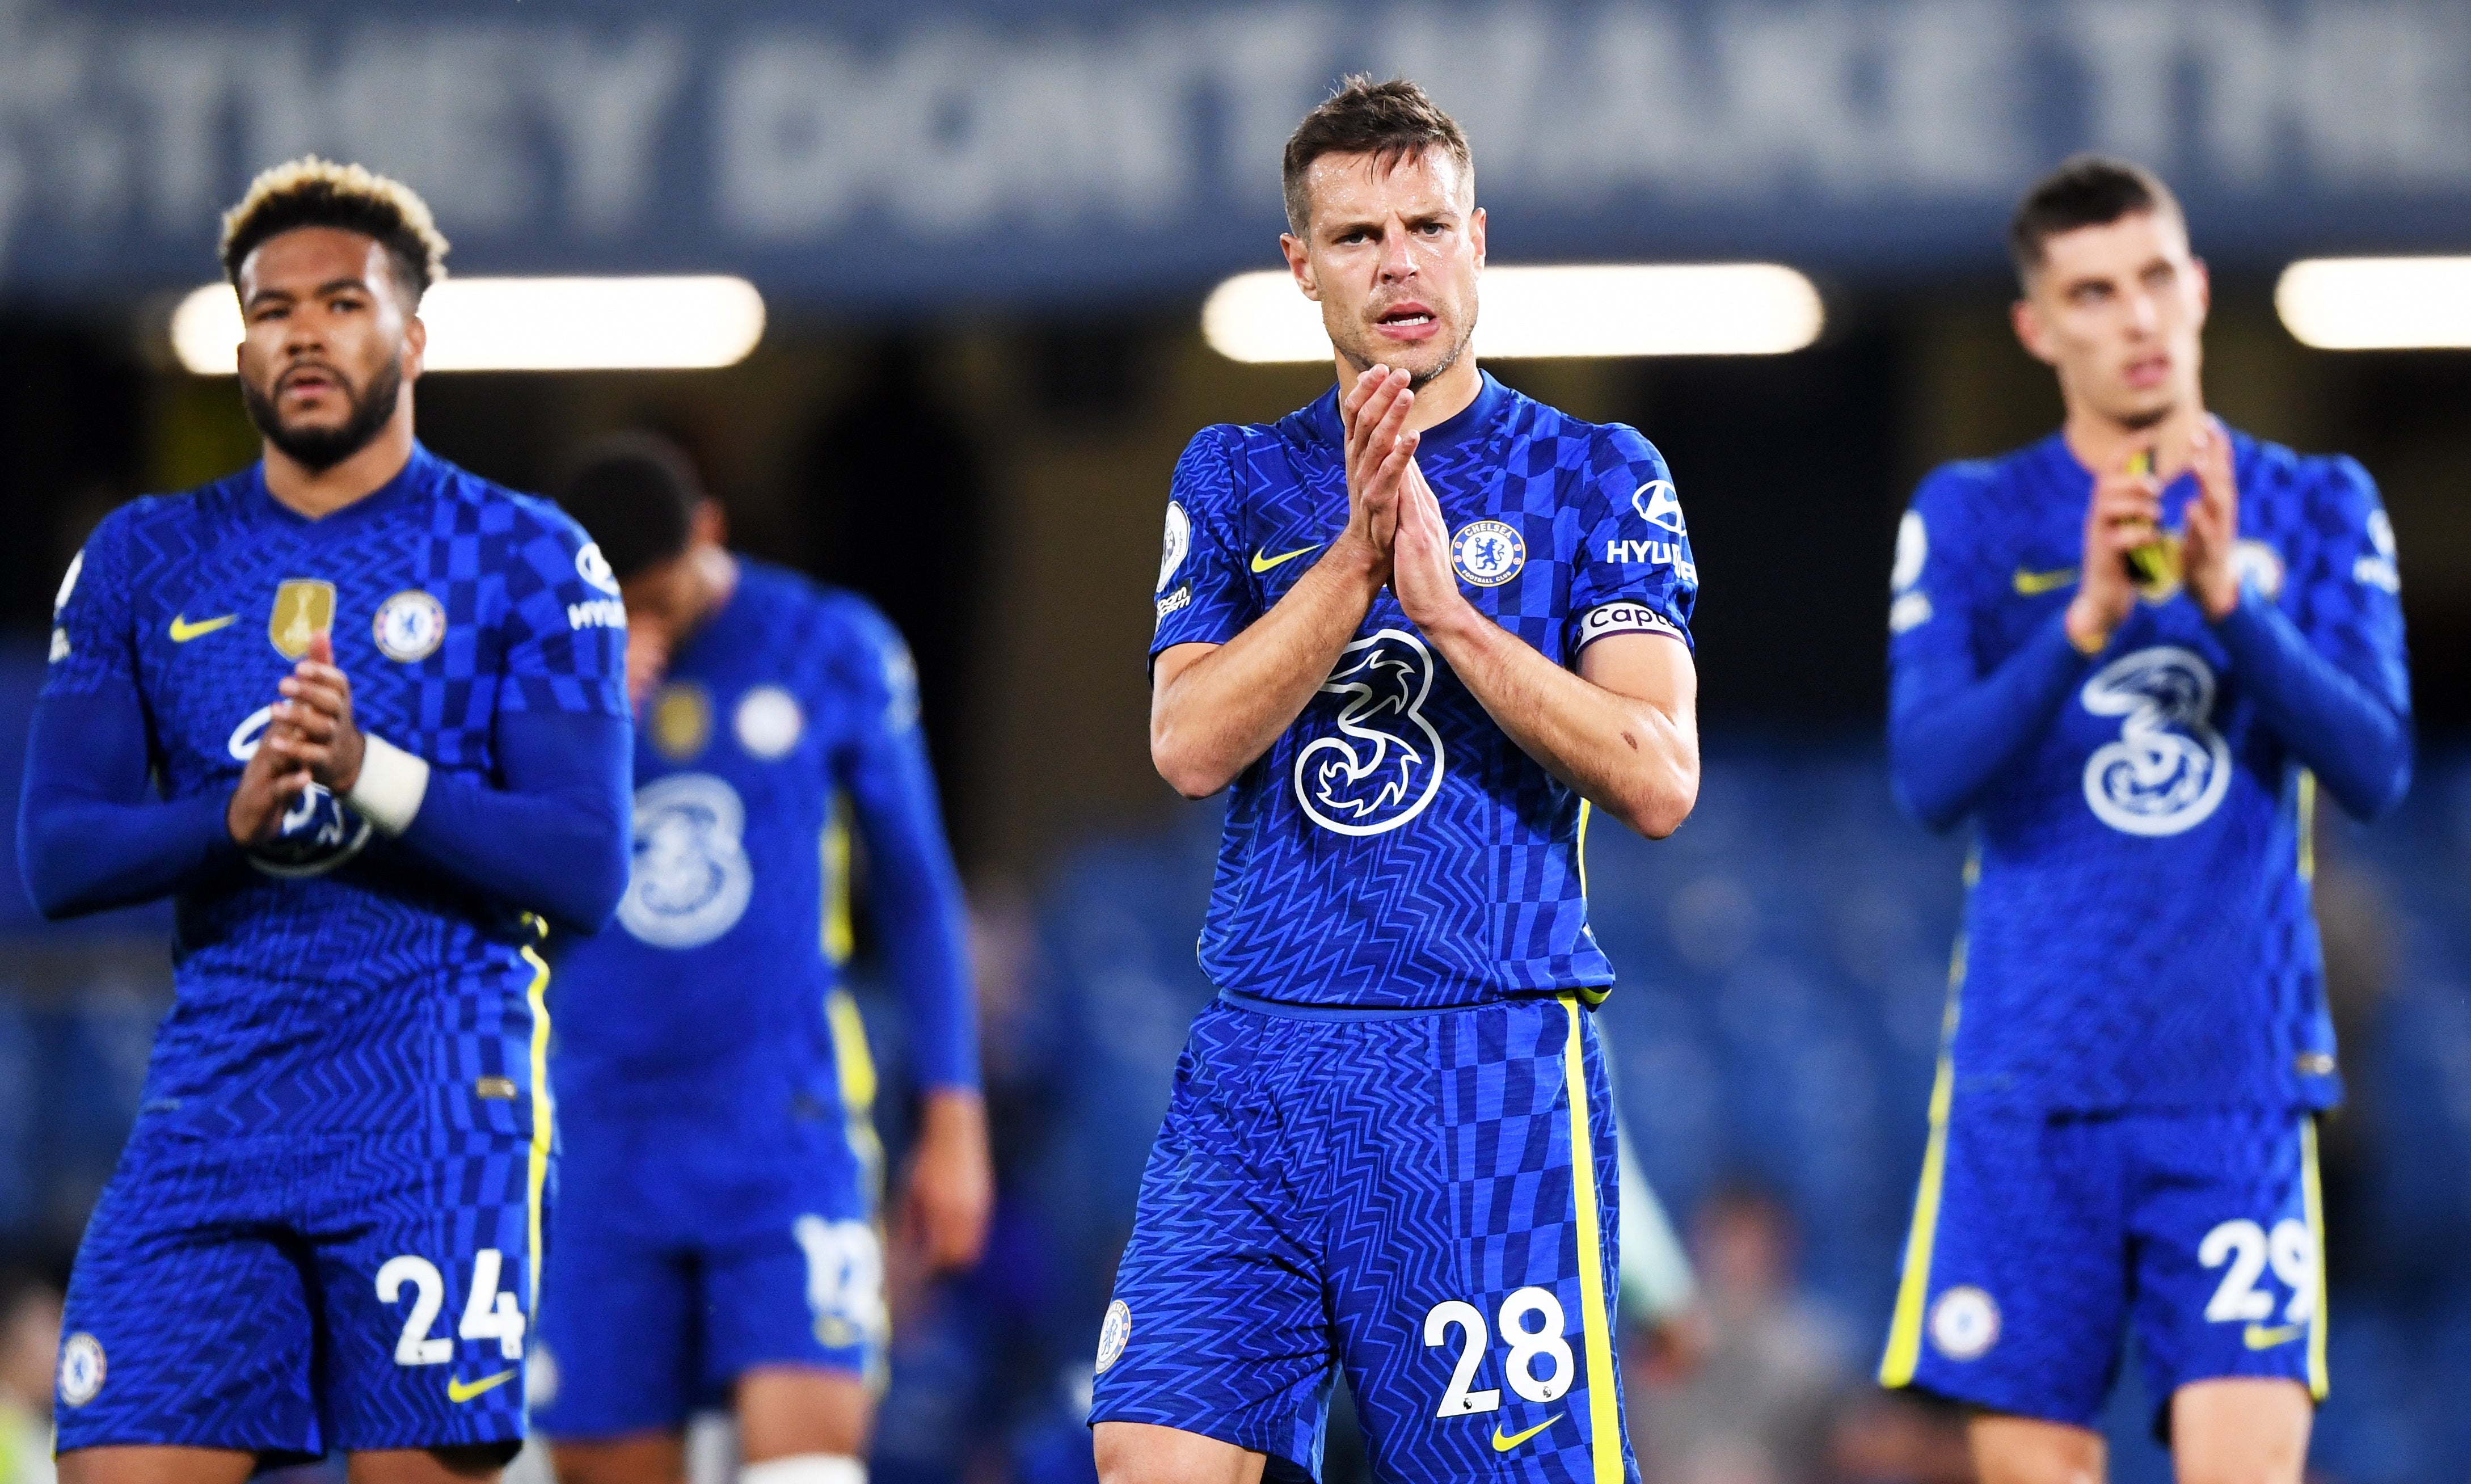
(2129, 653)
(1423, 627)
(362, 716)
(716, 1227)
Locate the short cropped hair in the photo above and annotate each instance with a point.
(314, 192)
(1389, 121)
(635, 494)
(2085, 190)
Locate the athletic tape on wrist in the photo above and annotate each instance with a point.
(392, 784)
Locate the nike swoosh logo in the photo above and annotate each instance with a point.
(182, 630)
(1261, 563)
(2033, 584)
(1502, 1445)
(2259, 1337)
(460, 1391)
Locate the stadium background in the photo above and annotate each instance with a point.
(983, 232)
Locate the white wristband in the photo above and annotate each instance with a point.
(392, 784)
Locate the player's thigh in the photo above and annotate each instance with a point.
(2014, 1291)
(641, 1458)
(466, 1464)
(2228, 1277)
(1216, 1326)
(2009, 1450)
(616, 1359)
(790, 1411)
(426, 1252)
(145, 1464)
(1141, 1453)
(2241, 1432)
(1477, 1189)
(188, 1323)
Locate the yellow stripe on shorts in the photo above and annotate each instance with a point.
(537, 1175)
(2312, 1194)
(1905, 1331)
(1604, 1411)
(1913, 1289)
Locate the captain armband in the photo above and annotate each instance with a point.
(1625, 617)
(392, 784)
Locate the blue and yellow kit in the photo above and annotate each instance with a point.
(2123, 1131)
(325, 1230)
(718, 1188)
(1390, 1144)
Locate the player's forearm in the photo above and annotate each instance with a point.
(1949, 737)
(1637, 759)
(556, 840)
(2358, 743)
(921, 912)
(81, 855)
(1212, 718)
(90, 835)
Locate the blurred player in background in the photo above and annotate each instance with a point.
(1422, 626)
(716, 1229)
(2129, 651)
(30, 1344)
(362, 716)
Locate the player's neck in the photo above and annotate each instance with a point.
(1447, 395)
(2104, 444)
(716, 577)
(1438, 400)
(316, 493)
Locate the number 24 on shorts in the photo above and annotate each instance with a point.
(1519, 1366)
(491, 1313)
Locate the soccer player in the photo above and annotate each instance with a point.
(362, 715)
(1423, 627)
(714, 1231)
(2130, 652)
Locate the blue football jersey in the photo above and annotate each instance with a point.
(336, 983)
(706, 999)
(1394, 848)
(2140, 930)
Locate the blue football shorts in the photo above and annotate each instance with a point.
(1393, 1194)
(684, 1255)
(2038, 1241)
(289, 1295)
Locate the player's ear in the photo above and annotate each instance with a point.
(415, 346)
(2027, 320)
(1475, 234)
(711, 522)
(1300, 264)
(2204, 290)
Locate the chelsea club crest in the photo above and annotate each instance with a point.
(1486, 552)
(409, 626)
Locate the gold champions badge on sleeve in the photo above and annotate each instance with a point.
(304, 607)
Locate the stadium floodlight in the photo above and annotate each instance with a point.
(2377, 303)
(1574, 310)
(535, 325)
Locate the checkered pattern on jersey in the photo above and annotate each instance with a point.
(2096, 977)
(1317, 1189)
(1393, 847)
(339, 999)
(232, 1285)
(2077, 1228)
